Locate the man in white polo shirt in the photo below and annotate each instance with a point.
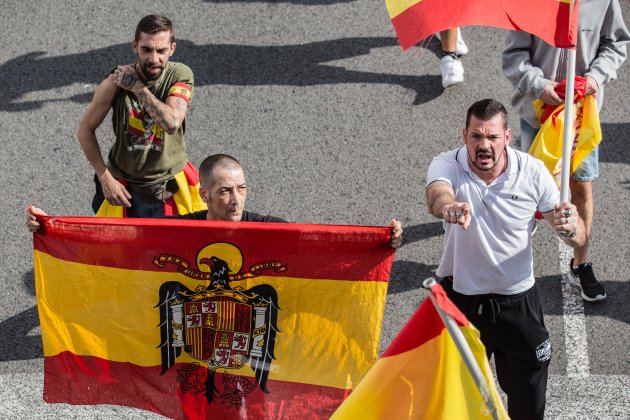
(487, 194)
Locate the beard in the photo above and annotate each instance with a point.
(488, 156)
(151, 71)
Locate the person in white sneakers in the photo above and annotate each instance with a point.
(453, 47)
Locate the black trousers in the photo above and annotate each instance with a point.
(512, 328)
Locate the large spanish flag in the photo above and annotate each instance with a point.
(200, 319)
(422, 375)
(415, 20)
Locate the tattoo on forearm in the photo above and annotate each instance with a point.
(435, 198)
(128, 80)
(165, 116)
(182, 107)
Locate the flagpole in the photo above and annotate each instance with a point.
(464, 350)
(567, 134)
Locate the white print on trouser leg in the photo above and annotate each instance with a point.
(543, 351)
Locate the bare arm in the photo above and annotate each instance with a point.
(169, 114)
(441, 203)
(115, 193)
(568, 224)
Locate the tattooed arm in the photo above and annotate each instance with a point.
(169, 114)
(441, 203)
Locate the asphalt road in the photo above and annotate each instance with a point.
(333, 123)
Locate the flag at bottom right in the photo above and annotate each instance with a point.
(422, 375)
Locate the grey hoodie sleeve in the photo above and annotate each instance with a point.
(611, 51)
(517, 65)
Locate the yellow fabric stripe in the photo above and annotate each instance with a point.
(547, 146)
(329, 329)
(187, 198)
(428, 382)
(396, 7)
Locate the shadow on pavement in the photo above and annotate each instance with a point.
(16, 343)
(615, 306)
(408, 275)
(222, 64)
(417, 233)
(614, 145)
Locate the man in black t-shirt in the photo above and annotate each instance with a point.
(223, 189)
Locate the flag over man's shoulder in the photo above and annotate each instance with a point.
(192, 319)
(422, 375)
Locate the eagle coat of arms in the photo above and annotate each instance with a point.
(222, 327)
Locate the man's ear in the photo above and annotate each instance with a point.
(134, 47)
(203, 193)
(508, 136)
(173, 46)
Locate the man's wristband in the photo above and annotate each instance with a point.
(568, 235)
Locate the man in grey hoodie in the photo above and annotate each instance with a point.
(535, 68)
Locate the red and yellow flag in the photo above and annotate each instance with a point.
(587, 131)
(200, 319)
(414, 20)
(422, 375)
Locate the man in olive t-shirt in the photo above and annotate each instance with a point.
(149, 100)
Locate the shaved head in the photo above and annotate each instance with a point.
(211, 164)
(223, 187)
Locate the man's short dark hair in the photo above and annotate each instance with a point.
(210, 163)
(152, 24)
(485, 110)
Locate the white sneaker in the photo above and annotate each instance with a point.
(461, 48)
(452, 71)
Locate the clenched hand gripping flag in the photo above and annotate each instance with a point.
(422, 375)
(198, 319)
(414, 20)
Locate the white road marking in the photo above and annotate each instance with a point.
(574, 320)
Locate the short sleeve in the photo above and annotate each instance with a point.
(443, 168)
(184, 83)
(549, 194)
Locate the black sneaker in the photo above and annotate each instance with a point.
(584, 277)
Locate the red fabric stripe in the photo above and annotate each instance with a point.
(89, 380)
(425, 324)
(184, 97)
(170, 208)
(308, 251)
(192, 174)
(182, 84)
(136, 114)
(548, 19)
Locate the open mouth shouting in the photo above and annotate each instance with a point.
(485, 158)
